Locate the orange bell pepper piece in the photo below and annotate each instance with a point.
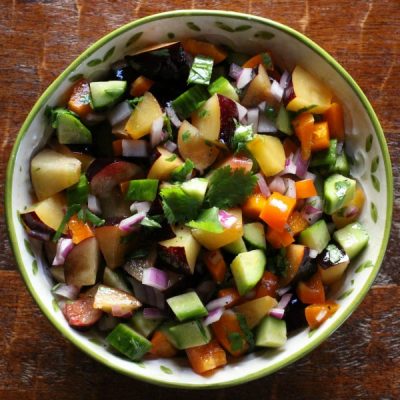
(304, 128)
(79, 102)
(197, 47)
(206, 357)
(320, 137)
(79, 230)
(277, 210)
(297, 223)
(253, 205)
(215, 264)
(316, 314)
(305, 189)
(255, 61)
(267, 285)
(140, 86)
(161, 347)
(311, 291)
(233, 294)
(334, 116)
(278, 239)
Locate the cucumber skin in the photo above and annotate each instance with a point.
(142, 325)
(316, 236)
(70, 130)
(188, 334)
(187, 306)
(254, 235)
(333, 200)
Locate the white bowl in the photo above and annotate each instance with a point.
(239, 31)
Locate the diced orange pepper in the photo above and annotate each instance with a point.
(304, 128)
(161, 347)
(334, 116)
(140, 86)
(117, 147)
(358, 201)
(278, 239)
(197, 47)
(289, 146)
(267, 285)
(277, 210)
(79, 230)
(305, 189)
(207, 357)
(79, 101)
(253, 206)
(216, 265)
(297, 223)
(316, 314)
(311, 291)
(320, 137)
(229, 334)
(258, 59)
(233, 294)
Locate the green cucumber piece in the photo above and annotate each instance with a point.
(187, 335)
(341, 166)
(187, 306)
(338, 191)
(352, 238)
(128, 342)
(283, 122)
(70, 130)
(247, 269)
(254, 234)
(196, 188)
(142, 190)
(201, 70)
(190, 101)
(143, 325)
(224, 87)
(271, 332)
(106, 94)
(326, 158)
(113, 279)
(78, 194)
(316, 236)
(236, 247)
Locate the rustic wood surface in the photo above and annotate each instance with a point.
(39, 38)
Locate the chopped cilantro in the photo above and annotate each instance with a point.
(134, 102)
(172, 158)
(186, 136)
(203, 113)
(229, 188)
(168, 126)
(246, 331)
(93, 219)
(278, 264)
(71, 210)
(207, 221)
(235, 340)
(242, 135)
(270, 113)
(150, 223)
(179, 174)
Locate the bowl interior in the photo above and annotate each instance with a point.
(365, 142)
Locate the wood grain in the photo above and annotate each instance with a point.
(39, 39)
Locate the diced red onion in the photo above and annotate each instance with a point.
(94, 204)
(246, 75)
(107, 323)
(253, 117)
(290, 166)
(235, 71)
(221, 302)
(121, 311)
(226, 219)
(242, 111)
(170, 146)
(311, 214)
(155, 278)
(129, 224)
(321, 315)
(277, 91)
(173, 116)
(277, 185)
(69, 292)
(156, 133)
(213, 316)
(309, 175)
(134, 148)
(301, 165)
(140, 206)
(119, 113)
(64, 246)
(153, 313)
(290, 188)
(262, 184)
(265, 125)
(284, 81)
(93, 117)
(350, 211)
(277, 312)
(313, 253)
(284, 301)
(282, 291)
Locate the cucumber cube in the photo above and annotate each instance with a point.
(352, 238)
(236, 247)
(188, 334)
(70, 130)
(271, 332)
(316, 236)
(142, 190)
(254, 234)
(144, 326)
(105, 94)
(338, 191)
(187, 306)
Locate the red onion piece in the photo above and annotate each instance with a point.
(290, 166)
(301, 165)
(94, 204)
(315, 201)
(134, 148)
(242, 111)
(140, 206)
(170, 146)
(246, 75)
(265, 125)
(226, 219)
(282, 291)
(69, 292)
(262, 184)
(121, 311)
(350, 211)
(313, 253)
(213, 316)
(277, 312)
(155, 278)
(119, 113)
(311, 214)
(129, 224)
(284, 301)
(290, 188)
(284, 81)
(173, 116)
(64, 246)
(253, 118)
(277, 185)
(153, 313)
(218, 303)
(156, 133)
(235, 71)
(277, 91)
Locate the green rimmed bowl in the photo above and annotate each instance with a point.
(365, 140)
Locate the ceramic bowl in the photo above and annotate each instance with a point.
(365, 140)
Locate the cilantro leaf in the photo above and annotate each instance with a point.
(150, 222)
(207, 221)
(279, 263)
(134, 102)
(242, 135)
(179, 206)
(236, 341)
(229, 188)
(180, 173)
(246, 331)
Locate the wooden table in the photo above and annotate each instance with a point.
(39, 38)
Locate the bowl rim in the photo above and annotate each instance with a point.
(86, 54)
